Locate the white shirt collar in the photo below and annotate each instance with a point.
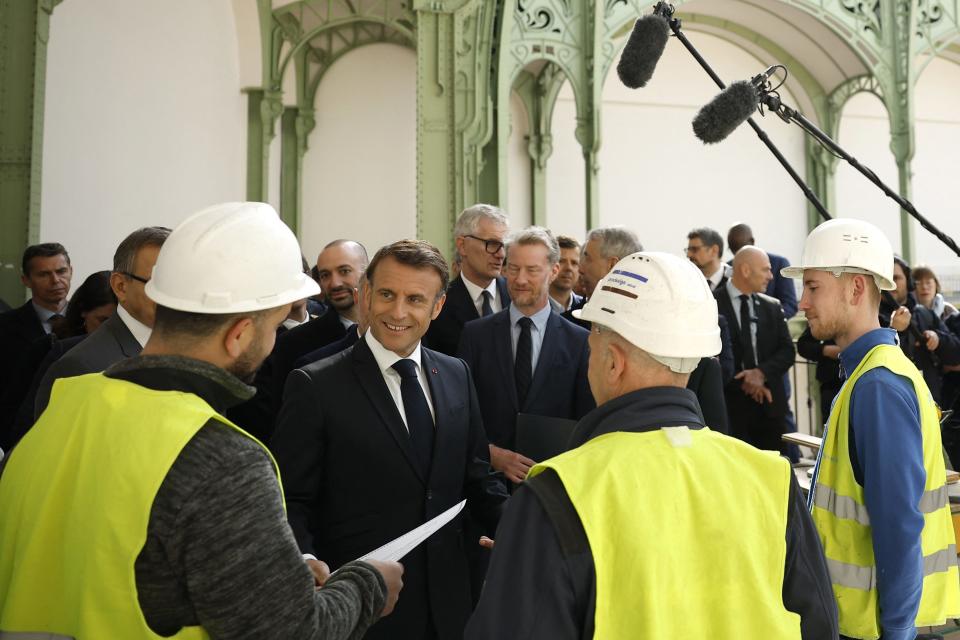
(386, 358)
(344, 320)
(140, 331)
(715, 278)
(476, 290)
(293, 323)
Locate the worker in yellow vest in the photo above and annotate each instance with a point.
(879, 499)
(134, 509)
(655, 526)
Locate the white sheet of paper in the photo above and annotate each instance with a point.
(396, 549)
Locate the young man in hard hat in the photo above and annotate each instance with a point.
(878, 499)
(133, 509)
(654, 526)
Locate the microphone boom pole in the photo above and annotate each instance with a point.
(665, 10)
(788, 114)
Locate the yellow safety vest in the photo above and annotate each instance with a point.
(841, 517)
(75, 500)
(687, 532)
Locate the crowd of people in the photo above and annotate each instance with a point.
(381, 390)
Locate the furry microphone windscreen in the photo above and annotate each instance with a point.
(731, 108)
(642, 51)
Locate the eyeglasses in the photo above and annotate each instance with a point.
(133, 277)
(492, 246)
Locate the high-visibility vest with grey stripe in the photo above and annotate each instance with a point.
(843, 522)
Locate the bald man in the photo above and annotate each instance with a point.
(762, 348)
(740, 235)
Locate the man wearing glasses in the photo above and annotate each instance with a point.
(125, 333)
(479, 290)
(704, 249)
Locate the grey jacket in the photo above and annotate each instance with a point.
(109, 344)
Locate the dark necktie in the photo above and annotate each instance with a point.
(486, 309)
(746, 334)
(523, 365)
(417, 411)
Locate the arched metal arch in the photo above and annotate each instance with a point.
(621, 13)
(814, 91)
(407, 34)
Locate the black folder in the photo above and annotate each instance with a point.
(542, 437)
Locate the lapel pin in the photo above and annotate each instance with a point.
(434, 371)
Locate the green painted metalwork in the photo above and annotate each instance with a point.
(24, 33)
(539, 95)
(472, 55)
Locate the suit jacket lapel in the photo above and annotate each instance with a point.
(549, 350)
(726, 308)
(124, 337)
(440, 397)
(371, 379)
(459, 300)
(503, 345)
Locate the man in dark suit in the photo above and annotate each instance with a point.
(739, 236)
(374, 441)
(46, 271)
(562, 296)
(705, 249)
(339, 266)
(127, 331)
(605, 246)
(479, 290)
(526, 358)
(763, 352)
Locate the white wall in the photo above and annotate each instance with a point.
(145, 122)
(657, 178)
(865, 134)
(936, 165)
(359, 174)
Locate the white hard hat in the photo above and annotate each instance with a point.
(845, 245)
(660, 303)
(234, 257)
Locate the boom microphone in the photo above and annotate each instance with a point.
(731, 108)
(643, 51)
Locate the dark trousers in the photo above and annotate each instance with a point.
(754, 423)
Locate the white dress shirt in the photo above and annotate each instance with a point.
(385, 360)
(476, 294)
(140, 331)
(717, 276)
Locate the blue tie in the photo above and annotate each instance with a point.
(419, 419)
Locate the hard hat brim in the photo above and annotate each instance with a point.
(796, 273)
(307, 287)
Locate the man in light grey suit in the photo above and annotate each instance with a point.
(125, 333)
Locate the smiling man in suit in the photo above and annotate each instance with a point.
(479, 290)
(526, 358)
(385, 435)
(126, 332)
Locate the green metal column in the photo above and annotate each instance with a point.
(588, 105)
(539, 96)
(899, 97)
(454, 118)
(289, 178)
(24, 33)
(437, 196)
